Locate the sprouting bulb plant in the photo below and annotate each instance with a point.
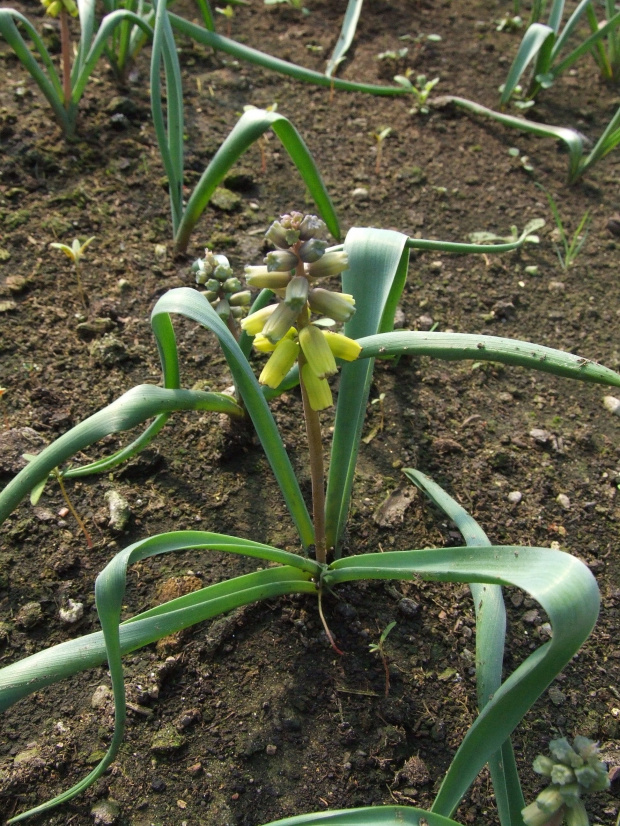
(75, 252)
(573, 771)
(225, 292)
(63, 9)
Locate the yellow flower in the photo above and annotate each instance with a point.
(254, 323)
(318, 390)
(317, 352)
(280, 362)
(342, 347)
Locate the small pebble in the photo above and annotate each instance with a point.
(101, 696)
(106, 812)
(360, 193)
(612, 404)
(73, 612)
(271, 749)
(514, 497)
(563, 500)
(29, 615)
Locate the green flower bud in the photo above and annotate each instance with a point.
(297, 293)
(222, 308)
(587, 775)
(342, 347)
(237, 312)
(262, 279)
(280, 236)
(310, 227)
(533, 815)
(280, 362)
(255, 322)
(332, 263)
(201, 277)
(240, 299)
(562, 774)
(280, 261)
(543, 765)
(339, 306)
(279, 322)
(577, 815)
(585, 747)
(550, 800)
(312, 250)
(232, 285)
(221, 267)
(564, 752)
(318, 390)
(211, 296)
(317, 351)
(212, 284)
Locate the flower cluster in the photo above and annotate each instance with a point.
(286, 329)
(223, 290)
(54, 7)
(572, 770)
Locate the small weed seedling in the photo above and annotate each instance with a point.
(569, 248)
(379, 648)
(379, 137)
(420, 90)
(75, 252)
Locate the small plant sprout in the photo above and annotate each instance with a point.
(573, 771)
(263, 139)
(420, 90)
(223, 290)
(567, 249)
(523, 159)
(379, 137)
(288, 333)
(75, 252)
(379, 648)
(3, 390)
(228, 12)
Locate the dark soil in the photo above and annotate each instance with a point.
(260, 718)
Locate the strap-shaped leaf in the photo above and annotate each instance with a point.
(192, 304)
(562, 585)
(458, 346)
(347, 33)
(376, 275)
(249, 128)
(368, 816)
(534, 39)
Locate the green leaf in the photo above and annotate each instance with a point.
(368, 816)
(347, 33)
(458, 346)
(249, 128)
(376, 275)
(533, 42)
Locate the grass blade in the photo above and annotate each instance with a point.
(458, 346)
(347, 33)
(377, 271)
(251, 125)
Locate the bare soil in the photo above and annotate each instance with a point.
(254, 717)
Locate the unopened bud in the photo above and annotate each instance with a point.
(237, 312)
(232, 285)
(562, 774)
(280, 261)
(310, 227)
(533, 815)
(222, 308)
(332, 263)
(297, 293)
(262, 279)
(240, 299)
(317, 351)
(577, 815)
(318, 390)
(312, 250)
(339, 306)
(281, 236)
(222, 269)
(550, 800)
(543, 765)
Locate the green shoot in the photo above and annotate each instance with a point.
(379, 137)
(379, 401)
(569, 247)
(75, 252)
(379, 648)
(420, 90)
(228, 12)
(529, 234)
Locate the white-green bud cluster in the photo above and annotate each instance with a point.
(573, 771)
(222, 289)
